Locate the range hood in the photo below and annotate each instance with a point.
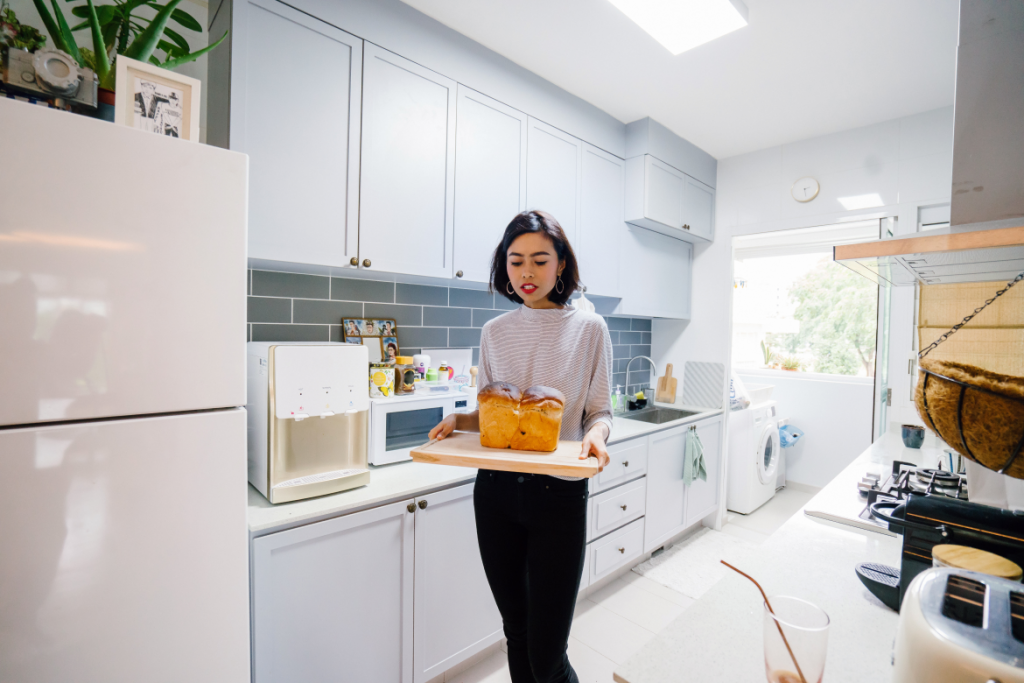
(985, 237)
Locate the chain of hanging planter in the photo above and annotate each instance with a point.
(993, 403)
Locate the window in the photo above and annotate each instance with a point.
(795, 309)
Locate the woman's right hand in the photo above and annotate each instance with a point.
(444, 428)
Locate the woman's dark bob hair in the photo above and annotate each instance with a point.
(544, 223)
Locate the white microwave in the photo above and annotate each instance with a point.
(401, 423)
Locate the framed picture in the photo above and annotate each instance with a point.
(380, 337)
(156, 100)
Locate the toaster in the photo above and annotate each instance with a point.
(960, 626)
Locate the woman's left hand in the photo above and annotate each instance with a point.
(593, 444)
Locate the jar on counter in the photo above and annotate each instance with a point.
(382, 380)
(405, 375)
(444, 373)
(421, 363)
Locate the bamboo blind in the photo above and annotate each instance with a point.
(993, 340)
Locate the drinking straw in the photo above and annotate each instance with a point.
(777, 624)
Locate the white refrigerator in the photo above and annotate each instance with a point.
(123, 537)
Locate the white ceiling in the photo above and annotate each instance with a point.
(801, 68)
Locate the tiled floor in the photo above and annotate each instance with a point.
(618, 619)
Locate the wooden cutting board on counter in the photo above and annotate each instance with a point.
(464, 450)
(666, 392)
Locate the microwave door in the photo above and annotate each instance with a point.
(402, 428)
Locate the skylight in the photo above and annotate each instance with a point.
(862, 201)
(680, 25)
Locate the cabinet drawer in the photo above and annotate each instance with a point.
(616, 549)
(626, 460)
(612, 509)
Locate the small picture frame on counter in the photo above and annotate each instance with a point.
(156, 100)
(379, 336)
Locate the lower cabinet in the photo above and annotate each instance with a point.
(333, 600)
(702, 496)
(616, 550)
(455, 612)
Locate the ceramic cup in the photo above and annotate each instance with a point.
(913, 436)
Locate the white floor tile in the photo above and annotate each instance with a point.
(773, 514)
(744, 533)
(590, 665)
(639, 606)
(659, 590)
(494, 669)
(615, 637)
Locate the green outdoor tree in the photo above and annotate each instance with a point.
(837, 310)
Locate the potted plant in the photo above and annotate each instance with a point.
(15, 34)
(790, 363)
(116, 29)
(769, 355)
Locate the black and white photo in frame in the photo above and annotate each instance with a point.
(156, 100)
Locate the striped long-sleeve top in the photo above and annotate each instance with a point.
(563, 348)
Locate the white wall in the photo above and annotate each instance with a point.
(833, 412)
(907, 161)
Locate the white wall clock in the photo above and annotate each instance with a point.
(805, 189)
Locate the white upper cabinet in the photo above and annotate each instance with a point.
(658, 278)
(662, 198)
(602, 228)
(407, 187)
(303, 152)
(554, 171)
(490, 179)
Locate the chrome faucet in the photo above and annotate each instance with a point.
(653, 367)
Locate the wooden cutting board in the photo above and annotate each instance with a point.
(464, 450)
(666, 392)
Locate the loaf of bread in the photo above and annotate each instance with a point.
(540, 420)
(498, 403)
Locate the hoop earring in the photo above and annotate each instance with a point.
(558, 283)
(509, 289)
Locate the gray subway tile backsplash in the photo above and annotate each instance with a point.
(268, 283)
(421, 294)
(294, 307)
(345, 289)
(263, 309)
(325, 312)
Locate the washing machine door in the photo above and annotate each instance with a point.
(768, 446)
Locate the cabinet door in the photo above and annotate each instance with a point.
(699, 208)
(663, 193)
(333, 600)
(702, 496)
(490, 179)
(303, 148)
(666, 495)
(661, 269)
(407, 187)
(602, 224)
(553, 175)
(455, 612)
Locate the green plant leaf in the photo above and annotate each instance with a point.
(99, 46)
(177, 39)
(182, 17)
(144, 45)
(110, 34)
(106, 14)
(50, 24)
(154, 61)
(192, 56)
(66, 35)
(170, 49)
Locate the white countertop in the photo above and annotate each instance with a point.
(719, 638)
(410, 479)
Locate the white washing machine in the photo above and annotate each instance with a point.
(754, 450)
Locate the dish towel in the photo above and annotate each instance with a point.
(693, 459)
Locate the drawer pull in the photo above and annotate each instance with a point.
(423, 505)
(622, 550)
(625, 463)
(623, 507)
(411, 507)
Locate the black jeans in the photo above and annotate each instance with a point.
(532, 531)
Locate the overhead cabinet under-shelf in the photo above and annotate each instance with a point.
(662, 198)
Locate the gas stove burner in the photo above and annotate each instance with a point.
(940, 477)
(933, 481)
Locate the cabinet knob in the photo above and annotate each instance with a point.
(458, 274)
(625, 463)
(353, 261)
(411, 507)
(622, 551)
(366, 263)
(423, 505)
(623, 507)
(686, 226)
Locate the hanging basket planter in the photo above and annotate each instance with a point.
(978, 413)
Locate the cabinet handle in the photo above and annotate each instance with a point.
(623, 507)
(411, 507)
(686, 226)
(366, 263)
(622, 551)
(423, 505)
(353, 261)
(458, 274)
(625, 463)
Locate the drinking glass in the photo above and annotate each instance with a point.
(806, 629)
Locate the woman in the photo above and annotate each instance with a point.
(536, 524)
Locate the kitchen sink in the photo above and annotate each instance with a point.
(658, 416)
